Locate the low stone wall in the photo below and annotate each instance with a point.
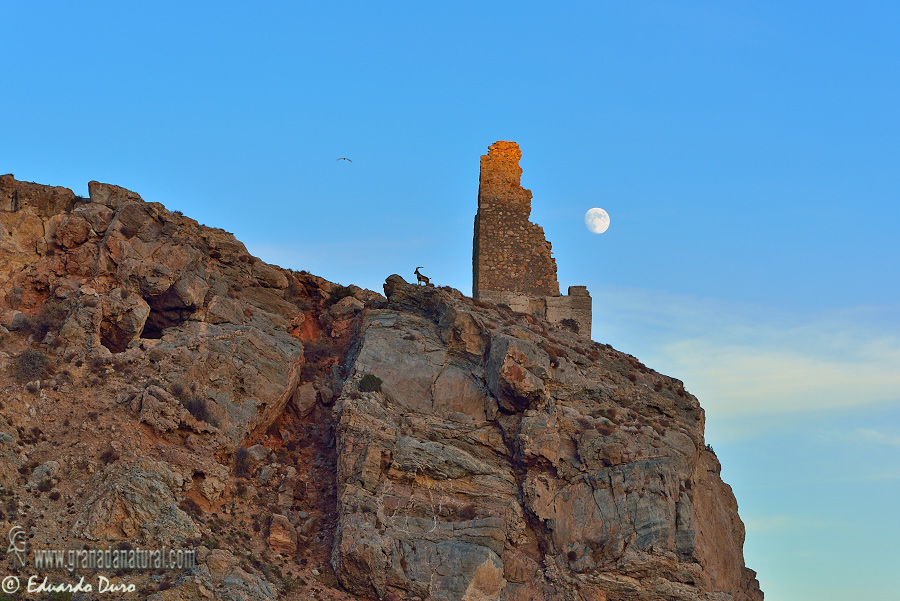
(576, 306)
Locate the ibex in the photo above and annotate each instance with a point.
(421, 278)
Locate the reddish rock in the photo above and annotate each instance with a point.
(282, 536)
(192, 390)
(110, 195)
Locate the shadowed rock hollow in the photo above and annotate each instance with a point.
(162, 386)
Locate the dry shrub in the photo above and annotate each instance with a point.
(200, 410)
(570, 324)
(468, 512)
(482, 304)
(604, 429)
(242, 463)
(555, 352)
(109, 455)
(31, 365)
(315, 353)
(190, 507)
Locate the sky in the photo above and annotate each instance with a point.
(747, 153)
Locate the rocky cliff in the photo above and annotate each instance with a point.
(313, 441)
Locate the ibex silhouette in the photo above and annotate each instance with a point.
(421, 278)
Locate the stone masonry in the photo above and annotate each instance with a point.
(511, 260)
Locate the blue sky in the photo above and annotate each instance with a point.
(747, 154)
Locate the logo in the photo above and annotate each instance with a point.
(17, 546)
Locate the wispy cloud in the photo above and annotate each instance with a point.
(868, 435)
(745, 360)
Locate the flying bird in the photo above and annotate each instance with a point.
(344, 159)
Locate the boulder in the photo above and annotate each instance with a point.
(282, 537)
(134, 501)
(111, 196)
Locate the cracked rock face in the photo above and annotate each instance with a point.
(163, 387)
(503, 462)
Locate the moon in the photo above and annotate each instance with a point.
(596, 220)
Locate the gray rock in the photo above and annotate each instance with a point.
(515, 372)
(18, 322)
(134, 501)
(46, 471)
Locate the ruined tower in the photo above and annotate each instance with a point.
(511, 259)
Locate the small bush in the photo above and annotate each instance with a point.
(199, 409)
(482, 304)
(555, 352)
(467, 513)
(179, 390)
(242, 463)
(570, 324)
(45, 485)
(315, 354)
(31, 365)
(289, 583)
(604, 429)
(370, 383)
(109, 455)
(190, 507)
(339, 293)
(50, 317)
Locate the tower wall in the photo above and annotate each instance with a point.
(511, 259)
(511, 254)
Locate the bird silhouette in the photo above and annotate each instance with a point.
(344, 159)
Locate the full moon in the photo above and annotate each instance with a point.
(596, 220)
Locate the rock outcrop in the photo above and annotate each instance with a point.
(163, 387)
(500, 460)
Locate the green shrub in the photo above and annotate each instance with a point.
(370, 383)
(339, 293)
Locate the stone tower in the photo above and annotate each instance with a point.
(511, 259)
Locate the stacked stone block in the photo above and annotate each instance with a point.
(511, 259)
